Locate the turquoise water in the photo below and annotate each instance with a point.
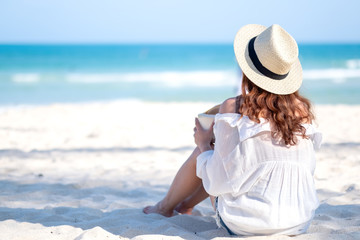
(41, 74)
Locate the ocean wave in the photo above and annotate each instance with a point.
(203, 78)
(168, 78)
(334, 74)
(26, 77)
(353, 63)
(174, 78)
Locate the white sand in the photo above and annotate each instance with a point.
(85, 171)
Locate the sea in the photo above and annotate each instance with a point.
(47, 74)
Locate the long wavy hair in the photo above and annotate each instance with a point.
(285, 113)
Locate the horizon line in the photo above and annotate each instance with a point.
(169, 43)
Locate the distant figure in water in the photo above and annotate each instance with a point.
(259, 172)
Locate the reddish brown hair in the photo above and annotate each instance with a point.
(285, 113)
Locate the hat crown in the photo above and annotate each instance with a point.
(276, 49)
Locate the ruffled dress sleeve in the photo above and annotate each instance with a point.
(210, 164)
(314, 134)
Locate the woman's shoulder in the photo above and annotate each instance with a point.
(228, 106)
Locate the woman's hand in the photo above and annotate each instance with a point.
(203, 138)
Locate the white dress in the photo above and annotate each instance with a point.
(263, 187)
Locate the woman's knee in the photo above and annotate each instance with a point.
(194, 155)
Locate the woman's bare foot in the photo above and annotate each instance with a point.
(157, 209)
(183, 209)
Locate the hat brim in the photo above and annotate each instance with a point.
(288, 85)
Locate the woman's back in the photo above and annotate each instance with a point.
(269, 186)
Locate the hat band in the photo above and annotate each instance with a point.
(255, 60)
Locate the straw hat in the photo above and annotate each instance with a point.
(269, 58)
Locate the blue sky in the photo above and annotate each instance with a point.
(173, 21)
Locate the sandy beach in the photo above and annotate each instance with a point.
(85, 171)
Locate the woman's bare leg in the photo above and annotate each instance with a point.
(185, 184)
(186, 206)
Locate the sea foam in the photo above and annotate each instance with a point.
(353, 63)
(334, 74)
(202, 78)
(168, 78)
(177, 78)
(26, 77)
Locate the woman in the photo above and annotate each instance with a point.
(259, 174)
